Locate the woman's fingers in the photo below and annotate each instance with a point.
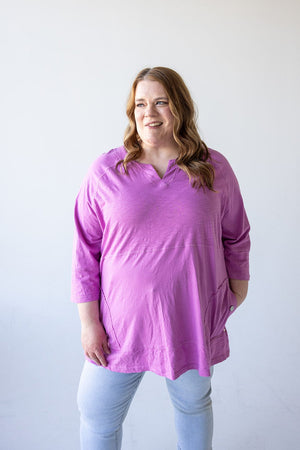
(101, 358)
(95, 343)
(98, 358)
(106, 347)
(99, 354)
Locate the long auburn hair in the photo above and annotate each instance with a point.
(194, 155)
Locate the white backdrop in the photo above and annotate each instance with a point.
(66, 69)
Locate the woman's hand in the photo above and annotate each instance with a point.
(240, 289)
(93, 336)
(95, 342)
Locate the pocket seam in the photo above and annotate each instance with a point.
(110, 317)
(211, 331)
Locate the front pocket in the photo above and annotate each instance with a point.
(221, 305)
(107, 322)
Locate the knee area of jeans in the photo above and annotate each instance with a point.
(100, 424)
(192, 404)
(91, 412)
(193, 408)
(101, 429)
(90, 405)
(190, 395)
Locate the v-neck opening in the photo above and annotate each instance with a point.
(152, 173)
(150, 168)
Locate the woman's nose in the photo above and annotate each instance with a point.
(150, 110)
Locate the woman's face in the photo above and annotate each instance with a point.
(153, 118)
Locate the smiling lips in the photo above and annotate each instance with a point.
(154, 124)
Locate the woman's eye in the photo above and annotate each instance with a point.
(159, 102)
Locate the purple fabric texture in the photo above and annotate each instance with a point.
(158, 255)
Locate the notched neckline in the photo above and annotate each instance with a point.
(152, 172)
(151, 167)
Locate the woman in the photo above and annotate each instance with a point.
(160, 263)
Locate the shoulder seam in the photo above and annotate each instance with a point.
(112, 165)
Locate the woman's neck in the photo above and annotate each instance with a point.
(153, 155)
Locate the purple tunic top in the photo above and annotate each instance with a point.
(157, 254)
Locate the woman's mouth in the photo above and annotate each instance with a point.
(154, 124)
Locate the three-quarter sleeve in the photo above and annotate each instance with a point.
(235, 229)
(85, 285)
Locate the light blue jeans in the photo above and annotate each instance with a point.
(104, 398)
